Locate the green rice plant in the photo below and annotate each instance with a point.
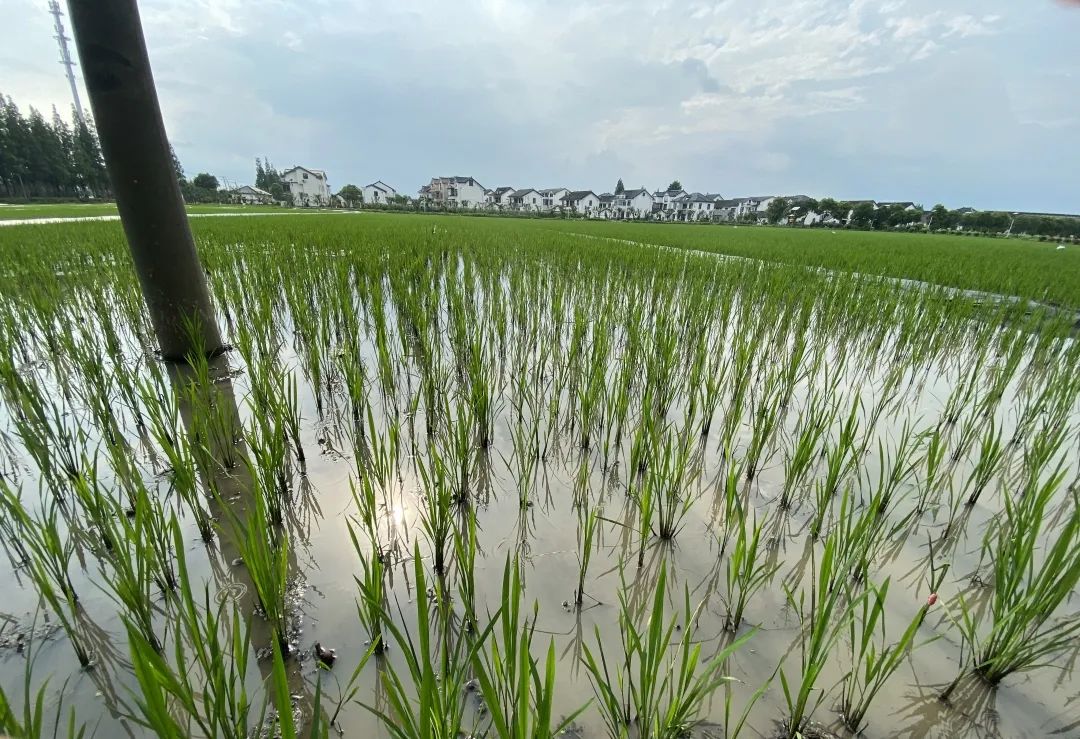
(50, 551)
(873, 660)
(466, 548)
(824, 619)
(264, 550)
(371, 604)
(266, 462)
(588, 518)
(518, 697)
(669, 480)
(1025, 629)
(33, 722)
(436, 513)
(426, 697)
(746, 571)
(204, 687)
(658, 685)
(767, 413)
(934, 457)
(811, 427)
(893, 471)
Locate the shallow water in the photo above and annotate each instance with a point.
(545, 537)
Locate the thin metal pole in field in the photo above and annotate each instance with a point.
(116, 68)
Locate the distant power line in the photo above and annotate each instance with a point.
(65, 56)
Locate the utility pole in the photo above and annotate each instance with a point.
(116, 70)
(65, 57)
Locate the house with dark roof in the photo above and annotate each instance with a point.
(250, 195)
(499, 198)
(308, 187)
(582, 202)
(725, 210)
(664, 203)
(551, 198)
(378, 193)
(526, 199)
(633, 204)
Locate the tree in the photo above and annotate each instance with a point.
(776, 209)
(177, 167)
(620, 188)
(674, 186)
(940, 217)
(206, 181)
(352, 195)
(862, 215)
(829, 207)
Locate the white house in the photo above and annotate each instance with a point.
(634, 203)
(583, 202)
(249, 195)
(455, 192)
(378, 193)
(551, 198)
(700, 206)
(526, 199)
(665, 203)
(308, 187)
(755, 205)
(499, 198)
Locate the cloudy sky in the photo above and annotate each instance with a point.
(966, 102)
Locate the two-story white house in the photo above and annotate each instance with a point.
(701, 206)
(552, 197)
(666, 203)
(378, 193)
(583, 202)
(633, 204)
(455, 192)
(308, 187)
(527, 199)
(499, 198)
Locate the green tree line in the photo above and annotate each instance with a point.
(42, 158)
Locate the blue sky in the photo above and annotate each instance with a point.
(961, 102)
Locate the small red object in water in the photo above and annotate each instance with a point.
(932, 599)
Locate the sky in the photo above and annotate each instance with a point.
(963, 102)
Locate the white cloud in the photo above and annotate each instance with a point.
(546, 92)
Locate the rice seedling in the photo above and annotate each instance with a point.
(34, 718)
(811, 426)
(588, 518)
(426, 697)
(436, 513)
(210, 641)
(659, 683)
(746, 570)
(264, 551)
(873, 660)
(1027, 588)
(518, 696)
(824, 620)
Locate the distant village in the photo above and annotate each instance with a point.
(308, 187)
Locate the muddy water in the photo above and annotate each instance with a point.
(545, 537)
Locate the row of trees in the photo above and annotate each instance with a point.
(42, 158)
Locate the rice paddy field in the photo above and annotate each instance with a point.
(465, 477)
